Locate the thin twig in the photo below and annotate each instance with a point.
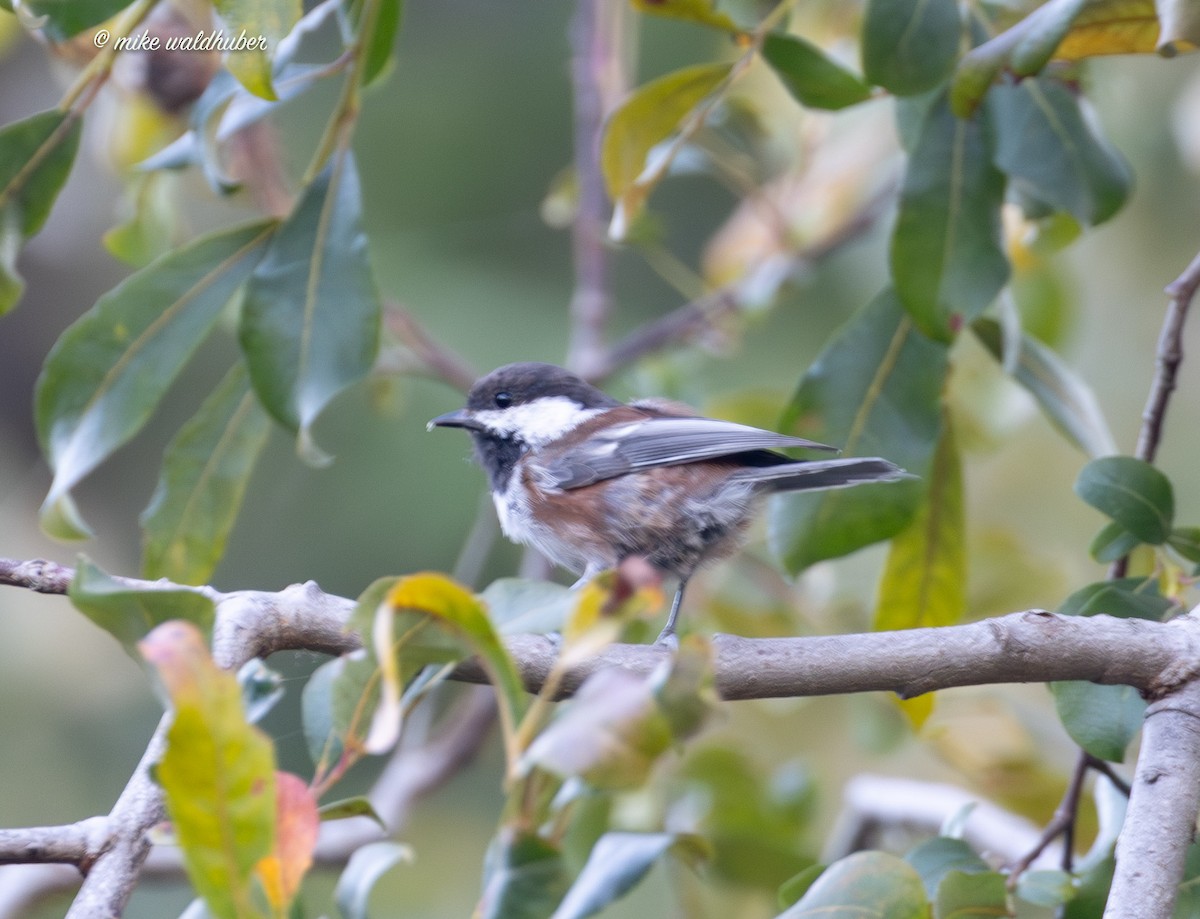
(693, 320)
(598, 79)
(436, 359)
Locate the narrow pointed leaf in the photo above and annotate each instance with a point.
(1186, 541)
(366, 866)
(1132, 492)
(650, 115)
(130, 613)
(268, 19)
(205, 472)
(873, 391)
(925, 580)
(217, 774)
(109, 370)
(700, 11)
(1046, 146)
(947, 260)
(310, 316)
(382, 38)
(616, 865)
(1066, 400)
(350, 807)
(810, 75)
(864, 884)
(296, 826)
(910, 46)
(36, 154)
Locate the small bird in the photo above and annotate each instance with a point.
(590, 481)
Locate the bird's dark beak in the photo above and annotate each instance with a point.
(460, 418)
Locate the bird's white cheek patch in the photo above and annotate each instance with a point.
(539, 422)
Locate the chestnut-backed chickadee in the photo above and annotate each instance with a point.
(589, 481)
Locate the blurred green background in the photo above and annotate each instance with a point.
(457, 149)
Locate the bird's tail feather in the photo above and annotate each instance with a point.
(831, 473)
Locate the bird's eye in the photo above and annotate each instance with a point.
(503, 399)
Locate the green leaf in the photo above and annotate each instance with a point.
(1045, 888)
(616, 865)
(974, 895)
(699, 11)
(1025, 49)
(1048, 149)
(268, 19)
(217, 774)
(811, 76)
(1127, 598)
(337, 705)
(36, 154)
(1101, 719)
(864, 884)
(909, 46)
(524, 877)
(796, 886)
(936, 858)
(925, 580)
(341, 696)
(366, 866)
(947, 260)
(65, 18)
(205, 472)
(1065, 399)
(1131, 492)
(130, 613)
(1111, 543)
(1186, 541)
(262, 688)
(874, 390)
(1104, 719)
(382, 37)
(351, 807)
(647, 117)
(108, 371)
(310, 316)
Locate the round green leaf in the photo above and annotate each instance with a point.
(1132, 492)
(864, 884)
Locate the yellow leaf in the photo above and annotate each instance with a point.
(924, 582)
(701, 11)
(650, 115)
(917, 709)
(1111, 27)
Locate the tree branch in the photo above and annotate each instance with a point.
(1161, 659)
(1161, 820)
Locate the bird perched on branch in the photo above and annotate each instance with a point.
(590, 481)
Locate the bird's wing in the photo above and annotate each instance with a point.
(625, 448)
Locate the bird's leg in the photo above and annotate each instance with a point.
(667, 635)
